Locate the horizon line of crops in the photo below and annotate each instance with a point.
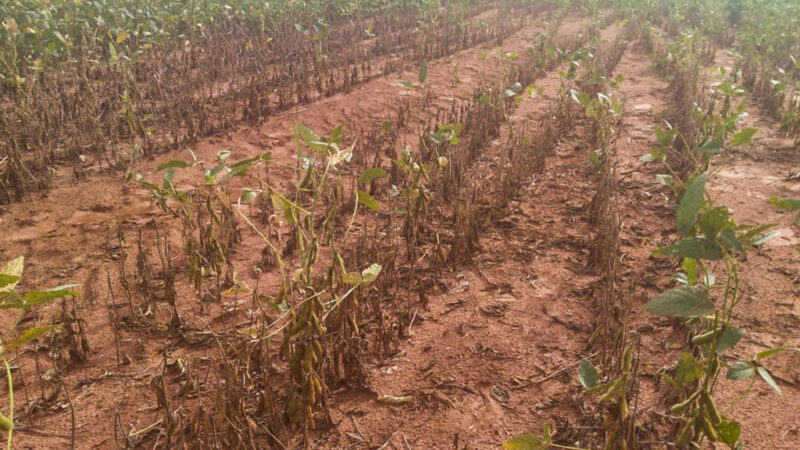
(37, 35)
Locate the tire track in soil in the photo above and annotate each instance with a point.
(71, 236)
(515, 315)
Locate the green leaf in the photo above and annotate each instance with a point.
(694, 247)
(30, 334)
(11, 300)
(768, 378)
(39, 297)
(729, 338)
(174, 164)
(788, 204)
(367, 200)
(711, 147)
(689, 266)
(526, 442)
(690, 204)
(742, 370)
(683, 301)
(370, 174)
(728, 237)
(688, 369)
(587, 374)
(743, 137)
(423, 71)
(758, 240)
(767, 353)
(248, 195)
(306, 134)
(7, 280)
(714, 221)
(729, 432)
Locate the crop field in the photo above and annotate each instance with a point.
(400, 224)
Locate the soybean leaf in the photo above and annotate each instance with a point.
(788, 204)
(770, 352)
(729, 338)
(11, 300)
(688, 369)
(174, 164)
(587, 374)
(683, 301)
(729, 432)
(768, 378)
(690, 203)
(714, 221)
(39, 297)
(248, 195)
(743, 137)
(758, 240)
(29, 335)
(525, 442)
(367, 200)
(370, 174)
(7, 280)
(711, 147)
(742, 370)
(371, 273)
(694, 247)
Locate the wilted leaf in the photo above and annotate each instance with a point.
(12, 273)
(683, 301)
(664, 179)
(371, 273)
(404, 83)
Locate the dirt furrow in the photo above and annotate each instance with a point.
(493, 354)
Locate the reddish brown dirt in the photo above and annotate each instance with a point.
(490, 356)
